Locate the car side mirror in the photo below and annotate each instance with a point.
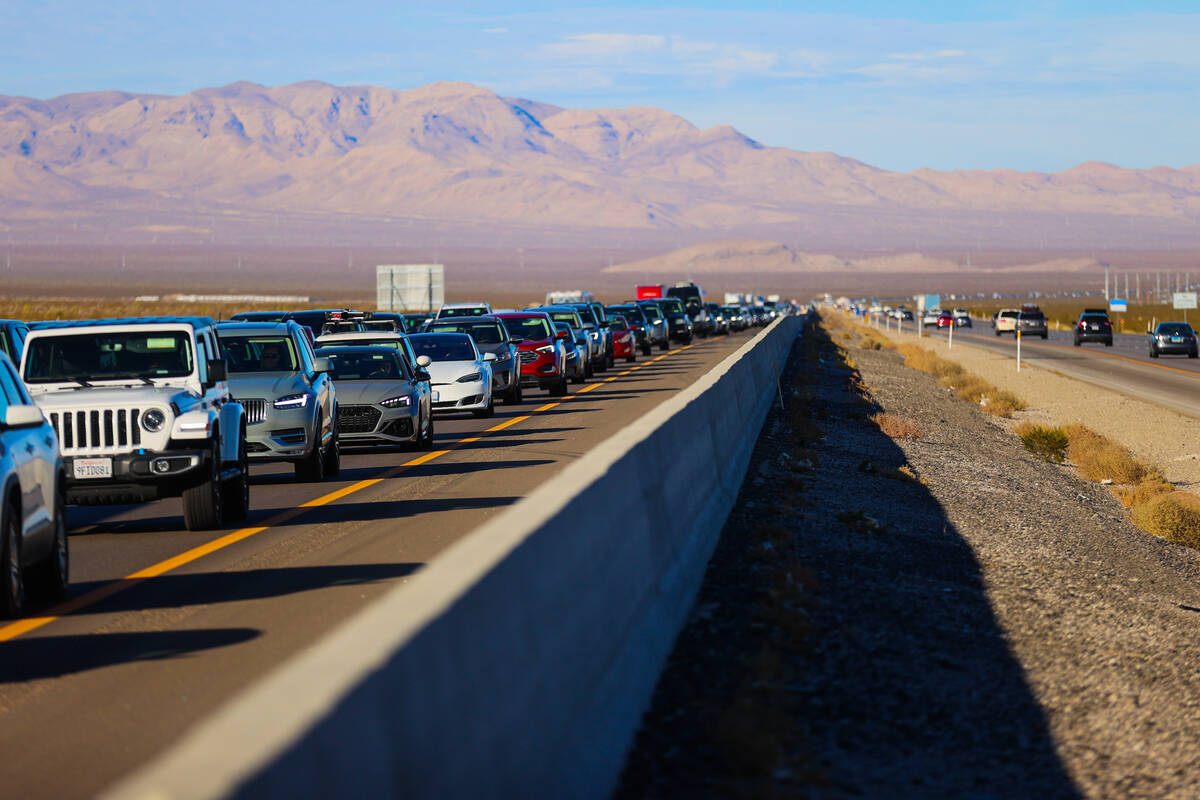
(217, 370)
(424, 361)
(321, 364)
(23, 417)
(489, 356)
(516, 339)
(422, 376)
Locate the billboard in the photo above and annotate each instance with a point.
(1117, 304)
(410, 287)
(1183, 300)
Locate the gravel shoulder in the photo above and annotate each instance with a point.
(1155, 435)
(995, 629)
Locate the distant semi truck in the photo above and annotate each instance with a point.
(651, 292)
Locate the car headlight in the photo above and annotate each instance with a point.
(474, 376)
(396, 402)
(292, 401)
(153, 420)
(546, 348)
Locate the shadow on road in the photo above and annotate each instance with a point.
(37, 657)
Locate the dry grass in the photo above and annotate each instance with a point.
(897, 427)
(1174, 517)
(904, 474)
(1145, 491)
(1099, 458)
(969, 387)
(56, 309)
(1043, 441)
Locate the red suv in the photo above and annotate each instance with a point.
(540, 349)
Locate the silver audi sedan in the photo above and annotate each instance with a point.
(380, 401)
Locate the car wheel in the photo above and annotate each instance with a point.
(1045, 336)
(612, 361)
(425, 438)
(632, 357)
(1153, 353)
(664, 345)
(1192, 354)
(997, 331)
(1108, 343)
(333, 456)
(237, 491)
(588, 372)
(513, 395)
(490, 411)
(202, 504)
(49, 578)
(646, 348)
(12, 598)
(312, 468)
(1077, 341)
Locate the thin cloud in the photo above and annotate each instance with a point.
(603, 45)
(495, 30)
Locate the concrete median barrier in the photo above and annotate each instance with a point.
(520, 661)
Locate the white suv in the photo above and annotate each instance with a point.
(142, 411)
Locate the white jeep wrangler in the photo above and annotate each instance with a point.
(142, 412)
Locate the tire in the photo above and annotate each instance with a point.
(1045, 336)
(1192, 354)
(647, 348)
(202, 504)
(513, 396)
(49, 578)
(632, 357)
(425, 440)
(333, 456)
(490, 411)
(1153, 353)
(588, 372)
(664, 345)
(12, 596)
(312, 468)
(1077, 342)
(997, 331)
(236, 493)
(1108, 343)
(579, 377)
(559, 389)
(612, 362)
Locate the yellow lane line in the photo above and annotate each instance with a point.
(23, 626)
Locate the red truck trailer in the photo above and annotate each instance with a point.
(651, 292)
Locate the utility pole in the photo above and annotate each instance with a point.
(1137, 285)
(1126, 285)
(1106, 284)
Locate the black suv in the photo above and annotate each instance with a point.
(1093, 327)
(1032, 322)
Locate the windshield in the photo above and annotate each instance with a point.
(671, 306)
(652, 311)
(481, 332)
(629, 312)
(617, 323)
(527, 327)
(474, 311)
(366, 367)
(444, 347)
(267, 353)
(587, 315)
(569, 317)
(109, 356)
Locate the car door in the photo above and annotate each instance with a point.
(322, 387)
(34, 451)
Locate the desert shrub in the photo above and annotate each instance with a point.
(869, 342)
(1100, 458)
(897, 427)
(1000, 403)
(928, 361)
(1043, 441)
(1150, 487)
(1175, 517)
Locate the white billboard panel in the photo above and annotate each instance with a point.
(410, 287)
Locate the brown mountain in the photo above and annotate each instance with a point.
(454, 152)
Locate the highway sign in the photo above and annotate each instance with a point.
(1183, 300)
(409, 287)
(1117, 305)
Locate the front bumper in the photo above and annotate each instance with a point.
(541, 371)
(135, 479)
(376, 424)
(456, 397)
(284, 434)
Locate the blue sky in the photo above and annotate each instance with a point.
(899, 85)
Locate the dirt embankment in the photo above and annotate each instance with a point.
(938, 614)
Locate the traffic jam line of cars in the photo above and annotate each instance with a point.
(131, 410)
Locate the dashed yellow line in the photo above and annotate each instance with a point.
(23, 626)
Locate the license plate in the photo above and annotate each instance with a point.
(1176, 338)
(93, 468)
(435, 397)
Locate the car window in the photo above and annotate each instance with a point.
(527, 327)
(444, 347)
(1175, 329)
(6, 345)
(11, 393)
(481, 332)
(367, 366)
(109, 356)
(266, 353)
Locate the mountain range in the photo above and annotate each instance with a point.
(464, 154)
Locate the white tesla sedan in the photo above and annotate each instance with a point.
(461, 377)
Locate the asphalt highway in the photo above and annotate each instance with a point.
(162, 624)
(1126, 367)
